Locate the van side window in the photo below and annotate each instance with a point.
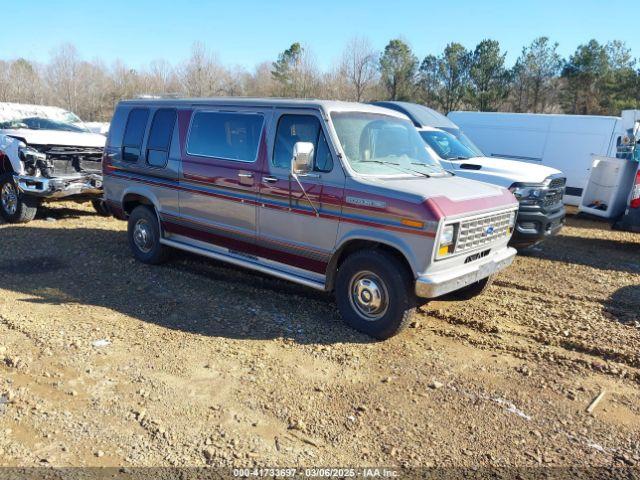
(134, 133)
(301, 128)
(160, 136)
(227, 136)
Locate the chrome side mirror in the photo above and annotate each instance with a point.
(302, 162)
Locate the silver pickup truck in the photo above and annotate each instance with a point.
(340, 197)
(46, 154)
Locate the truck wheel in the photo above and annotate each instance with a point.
(144, 236)
(15, 206)
(473, 290)
(101, 208)
(374, 293)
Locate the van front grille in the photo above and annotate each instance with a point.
(483, 230)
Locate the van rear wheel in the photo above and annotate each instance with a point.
(144, 236)
(374, 293)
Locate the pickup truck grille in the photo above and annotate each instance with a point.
(552, 198)
(71, 159)
(483, 230)
(557, 183)
(555, 193)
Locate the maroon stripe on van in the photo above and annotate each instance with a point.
(250, 248)
(335, 216)
(207, 236)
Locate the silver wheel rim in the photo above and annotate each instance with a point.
(368, 295)
(9, 197)
(143, 235)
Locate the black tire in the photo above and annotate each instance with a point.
(101, 207)
(376, 274)
(15, 206)
(144, 236)
(473, 290)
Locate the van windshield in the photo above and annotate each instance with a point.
(447, 146)
(376, 144)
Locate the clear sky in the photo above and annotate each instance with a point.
(246, 32)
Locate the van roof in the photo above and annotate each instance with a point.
(324, 105)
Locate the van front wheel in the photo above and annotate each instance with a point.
(374, 293)
(144, 236)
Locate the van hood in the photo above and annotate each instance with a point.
(452, 195)
(57, 137)
(500, 171)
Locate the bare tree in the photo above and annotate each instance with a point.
(201, 75)
(359, 67)
(260, 83)
(161, 78)
(62, 75)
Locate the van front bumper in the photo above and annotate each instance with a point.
(436, 284)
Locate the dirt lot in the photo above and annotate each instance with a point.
(105, 361)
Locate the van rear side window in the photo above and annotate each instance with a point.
(227, 136)
(160, 137)
(134, 133)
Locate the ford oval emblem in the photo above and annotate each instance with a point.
(489, 230)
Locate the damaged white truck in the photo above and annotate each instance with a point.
(46, 154)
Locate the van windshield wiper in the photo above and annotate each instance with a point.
(398, 167)
(382, 162)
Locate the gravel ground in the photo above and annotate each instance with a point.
(108, 362)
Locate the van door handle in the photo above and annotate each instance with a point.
(269, 179)
(245, 175)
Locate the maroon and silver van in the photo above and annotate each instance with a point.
(336, 196)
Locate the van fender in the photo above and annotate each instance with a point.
(9, 148)
(385, 238)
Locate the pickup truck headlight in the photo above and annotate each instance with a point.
(34, 161)
(446, 241)
(529, 193)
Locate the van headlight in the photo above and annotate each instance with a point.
(446, 241)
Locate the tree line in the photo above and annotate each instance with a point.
(596, 79)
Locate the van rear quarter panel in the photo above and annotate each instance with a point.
(126, 179)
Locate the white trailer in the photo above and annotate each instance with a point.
(565, 142)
